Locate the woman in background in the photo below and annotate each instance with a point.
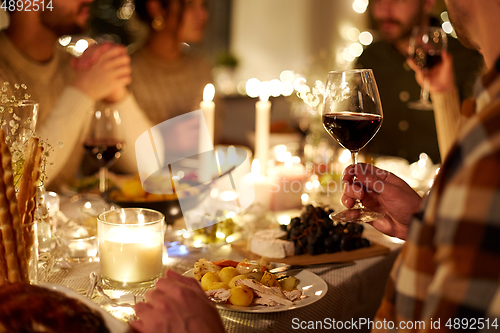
(167, 80)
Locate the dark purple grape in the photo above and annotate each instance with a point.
(299, 250)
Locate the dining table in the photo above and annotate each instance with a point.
(354, 289)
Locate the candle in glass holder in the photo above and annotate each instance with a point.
(130, 246)
(287, 185)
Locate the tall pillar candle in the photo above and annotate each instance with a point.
(262, 129)
(208, 108)
(205, 160)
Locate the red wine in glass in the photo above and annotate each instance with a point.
(426, 60)
(426, 44)
(104, 141)
(352, 130)
(352, 115)
(104, 151)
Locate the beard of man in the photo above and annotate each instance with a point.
(405, 28)
(64, 23)
(458, 17)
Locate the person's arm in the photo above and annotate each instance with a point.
(445, 100)
(65, 124)
(134, 123)
(447, 117)
(451, 266)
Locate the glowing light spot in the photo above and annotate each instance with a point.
(309, 186)
(287, 76)
(353, 34)
(287, 88)
(359, 6)
(304, 198)
(447, 27)
(81, 46)
(345, 156)
(230, 239)
(347, 55)
(65, 40)
(228, 196)
(299, 84)
(209, 92)
(275, 88)
(356, 49)
(284, 220)
(365, 38)
(253, 87)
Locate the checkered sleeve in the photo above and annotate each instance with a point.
(448, 271)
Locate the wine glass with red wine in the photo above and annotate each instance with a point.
(426, 45)
(104, 142)
(352, 115)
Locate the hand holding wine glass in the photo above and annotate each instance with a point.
(104, 141)
(426, 46)
(352, 115)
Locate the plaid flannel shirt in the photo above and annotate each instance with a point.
(448, 271)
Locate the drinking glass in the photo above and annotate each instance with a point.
(104, 142)
(426, 45)
(130, 246)
(352, 115)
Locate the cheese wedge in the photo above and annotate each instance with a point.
(266, 243)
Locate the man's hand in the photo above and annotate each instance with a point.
(103, 72)
(177, 304)
(381, 191)
(441, 77)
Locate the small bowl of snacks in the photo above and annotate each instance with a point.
(130, 193)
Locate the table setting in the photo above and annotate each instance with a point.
(224, 210)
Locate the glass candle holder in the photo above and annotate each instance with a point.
(130, 247)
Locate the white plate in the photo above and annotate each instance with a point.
(114, 325)
(312, 286)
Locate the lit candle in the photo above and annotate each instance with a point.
(130, 246)
(205, 160)
(208, 108)
(287, 184)
(261, 184)
(262, 129)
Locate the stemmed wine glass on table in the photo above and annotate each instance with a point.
(352, 115)
(426, 45)
(104, 142)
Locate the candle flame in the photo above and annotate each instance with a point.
(255, 168)
(264, 96)
(209, 92)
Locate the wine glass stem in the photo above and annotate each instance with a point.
(103, 175)
(357, 202)
(424, 93)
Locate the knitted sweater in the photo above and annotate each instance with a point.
(166, 89)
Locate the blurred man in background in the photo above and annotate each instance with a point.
(408, 132)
